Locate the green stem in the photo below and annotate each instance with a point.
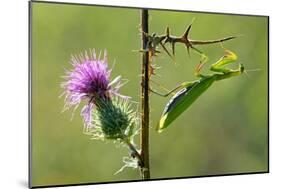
(134, 152)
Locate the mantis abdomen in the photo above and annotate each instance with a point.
(182, 100)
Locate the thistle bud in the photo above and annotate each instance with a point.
(114, 119)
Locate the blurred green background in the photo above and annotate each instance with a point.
(225, 131)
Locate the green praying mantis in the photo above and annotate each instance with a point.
(188, 92)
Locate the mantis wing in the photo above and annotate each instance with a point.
(183, 100)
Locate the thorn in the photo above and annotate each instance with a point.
(188, 50)
(232, 37)
(167, 31)
(157, 51)
(173, 48)
(185, 35)
(166, 50)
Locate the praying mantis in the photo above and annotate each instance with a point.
(188, 92)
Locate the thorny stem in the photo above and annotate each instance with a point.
(145, 171)
(173, 40)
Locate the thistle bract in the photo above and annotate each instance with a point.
(113, 119)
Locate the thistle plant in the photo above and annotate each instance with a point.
(109, 115)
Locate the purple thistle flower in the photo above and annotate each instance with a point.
(89, 80)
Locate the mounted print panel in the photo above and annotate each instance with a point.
(124, 94)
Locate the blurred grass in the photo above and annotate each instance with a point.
(225, 131)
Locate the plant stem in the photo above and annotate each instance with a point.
(145, 99)
(134, 152)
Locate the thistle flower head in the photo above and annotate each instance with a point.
(89, 80)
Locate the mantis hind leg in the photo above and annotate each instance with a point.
(180, 86)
